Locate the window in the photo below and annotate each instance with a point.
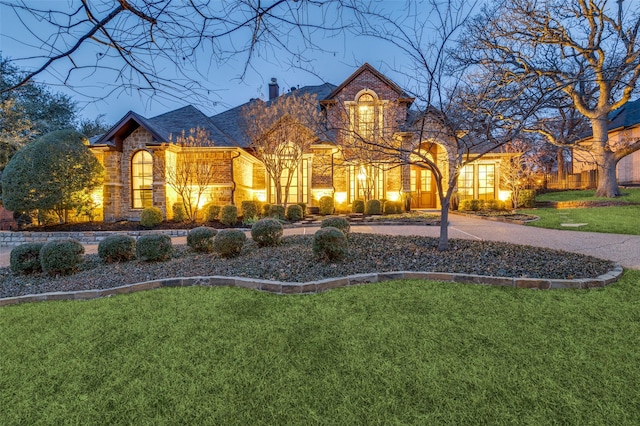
(366, 116)
(465, 183)
(486, 181)
(142, 180)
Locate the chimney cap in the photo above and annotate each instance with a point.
(274, 80)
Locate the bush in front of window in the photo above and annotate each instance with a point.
(326, 205)
(277, 212)
(294, 212)
(249, 209)
(25, 258)
(494, 205)
(154, 247)
(229, 242)
(373, 207)
(179, 213)
(117, 248)
(150, 217)
(392, 207)
(61, 257)
(329, 244)
(266, 210)
(211, 212)
(267, 232)
(357, 206)
(303, 206)
(229, 215)
(201, 239)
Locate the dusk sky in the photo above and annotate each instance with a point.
(339, 57)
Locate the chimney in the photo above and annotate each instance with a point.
(274, 89)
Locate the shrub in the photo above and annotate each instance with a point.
(201, 239)
(150, 217)
(212, 212)
(266, 210)
(229, 242)
(47, 217)
(229, 215)
(357, 206)
(337, 222)
(392, 207)
(329, 244)
(58, 257)
(267, 232)
(249, 209)
(277, 212)
(154, 247)
(372, 207)
(294, 212)
(179, 213)
(303, 206)
(326, 205)
(527, 198)
(494, 205)
(25, 258)
(464, 205)
(117, 248)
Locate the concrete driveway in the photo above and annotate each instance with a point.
(623, 249)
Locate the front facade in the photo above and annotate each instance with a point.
(141, 157)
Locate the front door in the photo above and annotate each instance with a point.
(423, 188)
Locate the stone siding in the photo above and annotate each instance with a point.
(10, 239)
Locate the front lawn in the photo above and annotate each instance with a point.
(403, 352)
(622, 219)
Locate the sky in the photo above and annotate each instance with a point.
(336, 58)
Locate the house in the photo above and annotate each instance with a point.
(623, 128)
(137, 152)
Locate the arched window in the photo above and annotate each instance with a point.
(366, 116)
(142, 180)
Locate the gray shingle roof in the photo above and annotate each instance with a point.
(626, 116)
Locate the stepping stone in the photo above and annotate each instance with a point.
(573, 225)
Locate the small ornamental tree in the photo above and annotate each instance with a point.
(55, 172)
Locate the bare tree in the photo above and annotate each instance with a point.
(155, 47)
(281, 131)
(585, 50)
(188, 171)
(458, 108)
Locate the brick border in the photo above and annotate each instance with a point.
(312, 287)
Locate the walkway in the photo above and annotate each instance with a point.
(623, 249)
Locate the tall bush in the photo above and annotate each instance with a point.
(229, 215)
(150, 217)
(326, 205)
(249, 209)
(372, 207)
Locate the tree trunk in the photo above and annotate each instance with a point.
(605, 160)
(443, 241)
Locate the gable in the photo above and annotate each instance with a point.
(367, 77)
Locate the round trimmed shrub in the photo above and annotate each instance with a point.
(150, 217)
(277, 211)
(154, 247)
(372, 207)
(212, 212)
(266, 210)
(117, 248)
(329, 244)
(179, 213)
(357, 206)
(59, 257)
(25, 258)
(267, 232)
(229, 215)
(201, 239)
(392, 207)
(326, 205)
(340, 223)
(249, 209)
(294, 212)
(229, 242)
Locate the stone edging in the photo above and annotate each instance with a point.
(14, 238)
(311, 287)
(497, 218)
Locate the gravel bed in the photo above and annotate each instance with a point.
(293, 261)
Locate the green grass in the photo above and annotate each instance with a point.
(611, 219)
(409, 352)
(630, 195)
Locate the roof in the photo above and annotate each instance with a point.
(627, 115)
(367, 67)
